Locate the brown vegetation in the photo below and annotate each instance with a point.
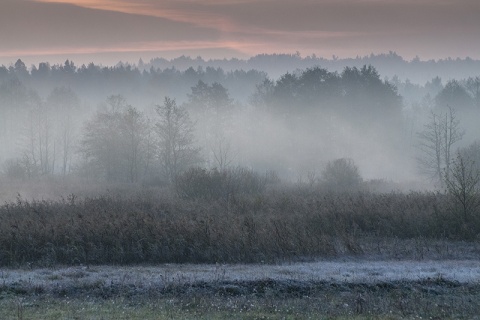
(271, 225)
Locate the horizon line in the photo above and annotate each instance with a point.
(313, 56)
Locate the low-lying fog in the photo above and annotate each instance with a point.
(94, 126)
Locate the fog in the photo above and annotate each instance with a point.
(82, 129)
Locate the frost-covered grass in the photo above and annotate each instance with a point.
(356, 289)
(167, 276)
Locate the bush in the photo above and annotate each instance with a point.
(341, 175)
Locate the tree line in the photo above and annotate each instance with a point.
(163, 138)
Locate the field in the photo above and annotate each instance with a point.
(280, 253)
(335, 289)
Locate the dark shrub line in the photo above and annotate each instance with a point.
(269, 226)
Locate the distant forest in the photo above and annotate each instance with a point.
(115, 122)
(388, 65)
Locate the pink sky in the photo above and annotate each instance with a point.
(107, 31)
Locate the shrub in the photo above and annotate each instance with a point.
(341, 175)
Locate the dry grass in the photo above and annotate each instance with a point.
(283, 224)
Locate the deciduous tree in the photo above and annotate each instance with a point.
(462, 184)
(175, 132)
(116, 141)
(437, 141)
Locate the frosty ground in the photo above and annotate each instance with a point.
(164, 276)
(348, 287)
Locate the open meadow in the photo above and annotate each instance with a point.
(284, 253)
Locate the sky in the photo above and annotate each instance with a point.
(108, 31)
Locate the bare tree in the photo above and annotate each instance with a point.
(101, 144)
(436, 143)
(39, 151)
(66, 139)
(211, 106)
(63, 104)
(222, 153)
(30, 152)
(174, 129)
(134, 129)
(462, 184)
(116, 141)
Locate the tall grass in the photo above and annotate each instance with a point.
(266, 225)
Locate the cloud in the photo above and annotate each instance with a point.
(429, 28)
(301, 15)
(48, 25)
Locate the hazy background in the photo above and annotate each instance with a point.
(274, 86)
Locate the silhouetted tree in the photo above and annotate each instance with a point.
(472, 85)
(285, 94)
(317, 87)
(101, 144)
(436, 144)
(42, 72)
(367, 96)
(212, 107)
(454, 94)
(463, 182)
(472, 152)
(360, 92)
(63, 105)
(175, 133)
(20, 70)
(38, 150)
(262, 97)
(114, 141)
(135, 132)
(210, 98)
(3, 73)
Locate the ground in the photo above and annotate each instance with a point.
(350, 287)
